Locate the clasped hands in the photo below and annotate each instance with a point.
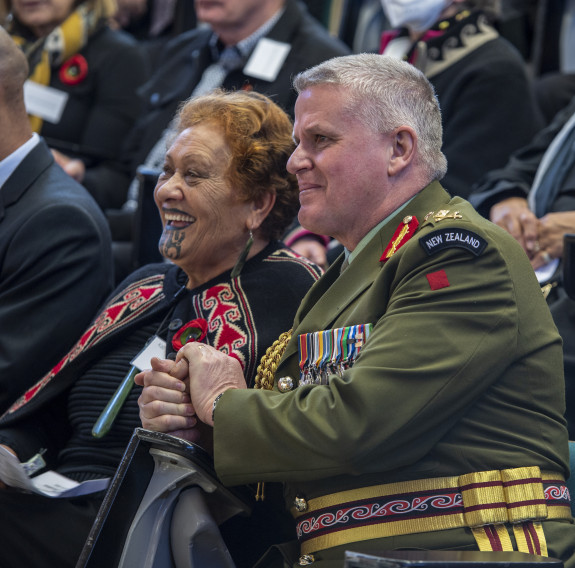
(542, 239)
(176, 394)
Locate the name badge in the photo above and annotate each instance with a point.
(45, 102)
(267, 59)
(156, 347)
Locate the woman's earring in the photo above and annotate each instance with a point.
(243, 256)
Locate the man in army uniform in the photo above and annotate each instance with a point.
(419, 399)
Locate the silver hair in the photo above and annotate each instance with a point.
(385, 93)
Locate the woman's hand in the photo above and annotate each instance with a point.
(165, 405)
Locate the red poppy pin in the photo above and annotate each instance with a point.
(74, 70)
(194, 330)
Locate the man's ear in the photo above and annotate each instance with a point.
(404, 144)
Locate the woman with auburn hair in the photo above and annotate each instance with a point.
(81, 93)
(224, 197)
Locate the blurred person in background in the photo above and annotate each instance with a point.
(81, 93)
(480, 79)
(154, 22)
(533, 198)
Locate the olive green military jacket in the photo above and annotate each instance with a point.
(462, 371)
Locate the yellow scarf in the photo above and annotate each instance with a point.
(59, 45)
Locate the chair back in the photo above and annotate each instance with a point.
(147, 223)
(163, 509)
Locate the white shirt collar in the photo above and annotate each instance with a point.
(246, 45)
(11, 162)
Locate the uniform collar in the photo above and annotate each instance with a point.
(365, 241)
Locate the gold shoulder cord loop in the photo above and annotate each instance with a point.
(546, 289)
(265, 379)
(270, 361)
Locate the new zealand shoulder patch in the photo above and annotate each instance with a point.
(448, 238)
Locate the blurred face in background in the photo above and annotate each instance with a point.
(417, 15)
(226, 11)
(234, 20)
(42, 16)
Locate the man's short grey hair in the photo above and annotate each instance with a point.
(385, 93)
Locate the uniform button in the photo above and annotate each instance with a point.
(306, 560)
(408, 219)
(175, 324)
(300, 504)
(285, 384)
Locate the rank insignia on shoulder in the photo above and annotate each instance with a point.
(442, 239)
(402, 234)
(446, 214)
(441, 215)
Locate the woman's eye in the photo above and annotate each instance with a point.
(191, 177)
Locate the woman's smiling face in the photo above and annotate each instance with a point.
(204, 219)
(42, 16)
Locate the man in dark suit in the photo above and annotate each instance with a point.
(55, 250)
